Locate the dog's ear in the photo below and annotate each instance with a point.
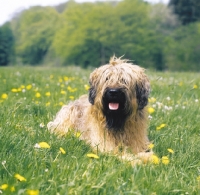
(92, 93)
(93, 84)
(142, 91)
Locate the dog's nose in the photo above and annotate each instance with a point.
(113, 92)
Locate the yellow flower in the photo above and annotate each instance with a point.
(14, 90)
(12, 188)
(28, 87)
(60, 80)
(77, 134)
(71, 97)
(90, 155)
(152, 100)
(198, 178)
(4, 96)
(150, 146)
(62, 150)
(63, 92)
(51, 76)
(195, 87)
(66, 78)
(151, 110)
(160, 127)
(37, 95)
(32, 192)
(44, 145)
(61, 103)
(48, 94)
(48, 104)
(165, 160)
(155, 160)
(87, 87)
(4, 186)
(19, 177)
(181, 83)
(170, 150)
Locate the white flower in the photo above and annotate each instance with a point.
(196, 100)
(150, 117)
(3, 162)
(37, 145)
(168, 98)
(42, 125)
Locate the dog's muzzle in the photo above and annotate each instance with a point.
(114, 99)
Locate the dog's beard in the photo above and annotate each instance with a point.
(115, 108)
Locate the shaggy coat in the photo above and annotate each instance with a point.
(113, 116)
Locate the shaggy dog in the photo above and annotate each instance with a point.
(113, 117)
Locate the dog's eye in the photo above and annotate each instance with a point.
(107, 78)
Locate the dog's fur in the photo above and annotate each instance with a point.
(113, 116)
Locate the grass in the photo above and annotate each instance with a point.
(30, 98)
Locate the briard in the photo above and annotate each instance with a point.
(113, 116)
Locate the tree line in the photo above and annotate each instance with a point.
(157, 36)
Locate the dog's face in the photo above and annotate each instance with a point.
(119, 89)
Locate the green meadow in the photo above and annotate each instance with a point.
(34, 161)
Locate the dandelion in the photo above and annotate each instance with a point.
(4, 96)
(150, 146)
(195, 86)
(12, 188)
(91, 155)
(66, 78)
(152, 100)
(48, 104)
(47, 94)
(196, 100)
(198, 178)
(180, 84)
(44, 145)
(170, 150)
(19, 177)
(87, 87)
(63, 92)
(61, 103)
(165, 160)
(51, 76)
(155, 160)
(62, 150)
(168, 98)
(71, 97)
(151, 110)
(37, 95)
(160, 127)
(4, 186)
(60, 80)
(32, 192)
(14, 90)
(28, 87)
(77, 134)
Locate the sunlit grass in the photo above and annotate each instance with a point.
(33, 161)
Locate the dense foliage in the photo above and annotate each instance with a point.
(87, 34)
(187, 10)
(6, 45)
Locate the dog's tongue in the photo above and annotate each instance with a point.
(113, 106)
